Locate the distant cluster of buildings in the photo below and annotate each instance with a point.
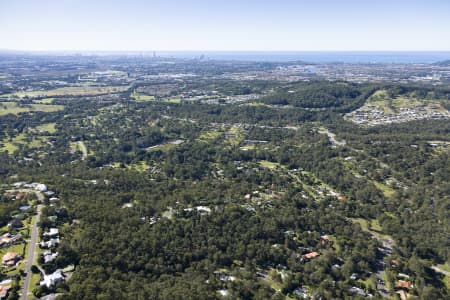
(372, 115)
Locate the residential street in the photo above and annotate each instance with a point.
(31, 249)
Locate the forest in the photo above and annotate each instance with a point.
(278, 198)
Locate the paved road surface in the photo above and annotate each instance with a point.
(439, 270)
(332, 137)
(31, 249)
(83, 150)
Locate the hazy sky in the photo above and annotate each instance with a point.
(225, 25)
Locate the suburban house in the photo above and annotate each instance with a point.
(40, 187)
(15, 223)
(8, 239)
(20, 196)
(325, 240)
(53, 199)
(52, 233)
(4, 291)
(10, 259)
(52, 279)
(310, 255)
(403, 284)
(25, 207)
(49, 256)
(50, 244)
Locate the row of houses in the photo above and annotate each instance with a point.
(40, 187)
(50, 240)
(53, 234)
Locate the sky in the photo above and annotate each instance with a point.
(226, 25)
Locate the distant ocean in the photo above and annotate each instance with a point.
(318, 57)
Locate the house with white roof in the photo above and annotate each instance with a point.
(52, 279)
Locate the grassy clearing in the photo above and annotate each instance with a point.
(141, 97)
(140, 166)
(368, 282)
(387, 191)
(391, 105)
(35, 278)
(16, 108)
(336, 244)
(273, 284)
(34, 282)
(14, 248)
(4, 229)
(256, 104)
(446, 281)
(75, 146)
(71, 91)
(13, 144)
(372, 227)
(235, 135)
(173, 100)
(49, 127)
(269, 164)
(44, 101)
(210, 135)
(247, 147)
(9, 147)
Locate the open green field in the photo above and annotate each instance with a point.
(269, 164)
(141, 97)
(44, 101)
(235, 135)
(14, 248)
(70, 91)
(247, 147)
(16, 108)
(257, 104)
(140, 166)
(172, 100)
(372, 227)
(13, 144)
(210, 135)
(48, 127)
(386, 190)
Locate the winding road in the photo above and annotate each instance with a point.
(332, 137)
(31, 248)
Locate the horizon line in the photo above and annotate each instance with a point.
(212, 50)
